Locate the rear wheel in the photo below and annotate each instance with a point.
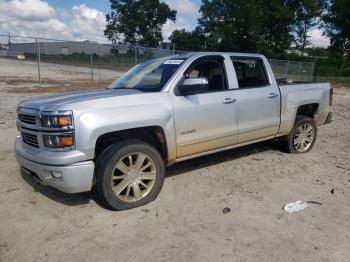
(129, 174)
(302, 137)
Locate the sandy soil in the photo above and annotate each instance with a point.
(186, 222)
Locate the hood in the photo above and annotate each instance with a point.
(55, 102)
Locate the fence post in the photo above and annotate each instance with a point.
(99, 66)
(312, 70)
(340, 71)
(315, 68)
(91, 63)
(38, 58)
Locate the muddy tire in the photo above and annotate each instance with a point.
(128, 174)
(302, 137)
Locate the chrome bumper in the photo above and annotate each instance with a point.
(73, 178)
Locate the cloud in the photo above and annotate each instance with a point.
(317, 38)
(37, 18)
(184, 6)
(27, 10)
(170, 26)
(88, 23)
(186, 18)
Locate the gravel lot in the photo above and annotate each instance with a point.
(28, 70)
(186, 222)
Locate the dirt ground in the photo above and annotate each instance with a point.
(186, 222)
(18, 76)
(14, 69)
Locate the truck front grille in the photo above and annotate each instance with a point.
(30, 139)
(28, 119)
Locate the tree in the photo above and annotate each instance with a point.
(248, 25)
(186, 41)
(337, 25)
(307, 17)
(278, 18)
(228, 25)
(138, 22)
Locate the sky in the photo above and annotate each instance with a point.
(85, 19)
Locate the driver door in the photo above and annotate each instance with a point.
(206, 120)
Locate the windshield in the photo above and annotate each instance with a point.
(150, 76)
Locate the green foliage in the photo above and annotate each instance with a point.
(138, 22)
(248, 25)
(346, 71)
(186, 41)
(337, 25)
(307, 15)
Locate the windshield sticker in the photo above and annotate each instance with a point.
(173, 62)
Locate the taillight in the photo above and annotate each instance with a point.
(330, 96)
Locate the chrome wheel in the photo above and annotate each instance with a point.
(304, 137)
(133, 177)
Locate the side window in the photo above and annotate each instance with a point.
(213, 70)
(250, 72)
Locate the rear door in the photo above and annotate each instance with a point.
(206, 120)
(258, 99)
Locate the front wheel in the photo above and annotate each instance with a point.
(302, 137)
(129, 174)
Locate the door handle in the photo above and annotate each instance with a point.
(272, 95)
(228, 100)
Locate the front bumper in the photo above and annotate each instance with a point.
(74, 178)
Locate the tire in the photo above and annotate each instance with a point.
(290, 142)
(119, 172)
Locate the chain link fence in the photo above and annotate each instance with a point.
(292, 70)
(53, 61)
(58, 61)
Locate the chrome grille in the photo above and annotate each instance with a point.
(30, 139)
(28, 119)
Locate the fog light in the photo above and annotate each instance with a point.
(56, 174)
(53, 175)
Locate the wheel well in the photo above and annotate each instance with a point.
(153, 135)
(308, 110)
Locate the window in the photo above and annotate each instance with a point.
(213, 70)
(250, 72)
(150, 76)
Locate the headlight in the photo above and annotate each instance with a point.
(58, 141)
(56, 121)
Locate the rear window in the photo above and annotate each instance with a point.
(250, 72)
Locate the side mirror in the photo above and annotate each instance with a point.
(191, 86)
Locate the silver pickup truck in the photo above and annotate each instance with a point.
(118, 141)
